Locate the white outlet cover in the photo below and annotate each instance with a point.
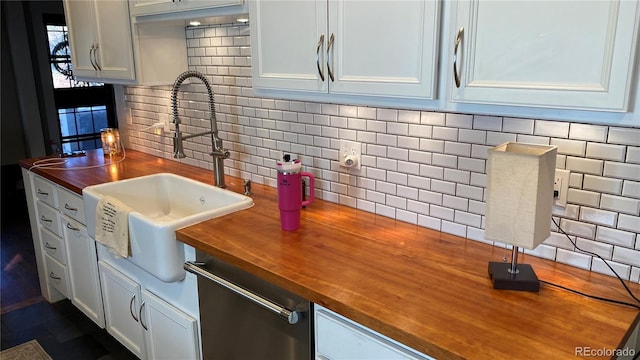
(563, 176)
(350, 149)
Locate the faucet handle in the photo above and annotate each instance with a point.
(223, 153)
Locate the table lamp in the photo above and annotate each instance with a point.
(519, 204)
(110, 138)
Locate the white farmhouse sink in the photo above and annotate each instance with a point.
(160, 204)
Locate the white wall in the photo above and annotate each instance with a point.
(425, 168)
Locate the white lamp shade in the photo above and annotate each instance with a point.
(520, 193)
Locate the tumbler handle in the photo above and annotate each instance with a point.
(312, 187)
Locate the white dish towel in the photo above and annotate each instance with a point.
(112, 226)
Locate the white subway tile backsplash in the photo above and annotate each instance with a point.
(583, 197)
(555, 129)
(518, 126)
(626, 256)
(578, 228)
(569, 147)
(594, 247)
(420, 167)
(484, 122)
(587, 166)
(622, 170)
(602, 184)
(472, 136)
(454, 228)
(622, 270)
(620, 204)
(459, 121)
(574, 259)
(432, 118)
(471, 164)
(498, 138)
(559, 240)
(615, 237)
(430, 222)
(541, 140)
(412, 117)
(456, 148)
(624, 136)
(543, 251)
(442, 133)
(599, 217)
(629, 223)
(633, 155)
(605, 151)
(631, 189)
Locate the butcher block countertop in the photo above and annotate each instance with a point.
(423, 288)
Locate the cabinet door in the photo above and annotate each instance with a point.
(288, 45)
(114, 54)
(79, 15)
(386, 48)
(82, 265)
(555, 54)
(338, 338)
(167, 326)
(121, 297)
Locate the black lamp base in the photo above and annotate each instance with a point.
(525, 280)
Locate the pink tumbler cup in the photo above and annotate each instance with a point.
(290, 198)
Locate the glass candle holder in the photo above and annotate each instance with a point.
(110, 141)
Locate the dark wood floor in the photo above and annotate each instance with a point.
(61, 329)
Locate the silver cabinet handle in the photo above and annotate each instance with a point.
(140, 316)
(292, 317)
(54, 277)
(95, 57)
(43, 218)
(93, 47)
(456, 76)
(131, 308)
(66, 206)
(320, 42)
(71, 227)
(48, 246)
(43, 193)
(329, 57)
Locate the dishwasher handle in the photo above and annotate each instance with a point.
(292, 317)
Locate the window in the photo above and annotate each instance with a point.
(83, 107)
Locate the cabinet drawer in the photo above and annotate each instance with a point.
(339, 338)
(45, 190)
(53, 245)
(71, 205)
(57, 275)
(49, 218)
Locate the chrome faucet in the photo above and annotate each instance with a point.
(218, 152)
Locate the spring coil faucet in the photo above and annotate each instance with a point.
(218, 152)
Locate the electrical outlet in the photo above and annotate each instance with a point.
(349, 155)
(561, 187)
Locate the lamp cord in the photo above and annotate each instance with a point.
(606, 263)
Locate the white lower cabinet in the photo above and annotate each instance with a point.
(338, 338)
(84, 283)
(148, 326)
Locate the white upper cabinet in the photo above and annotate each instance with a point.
(370, 48)
(552, 54)
(107, 47)
(100, 39)
(152, 7)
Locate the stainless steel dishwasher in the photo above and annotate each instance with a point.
(243, 317)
